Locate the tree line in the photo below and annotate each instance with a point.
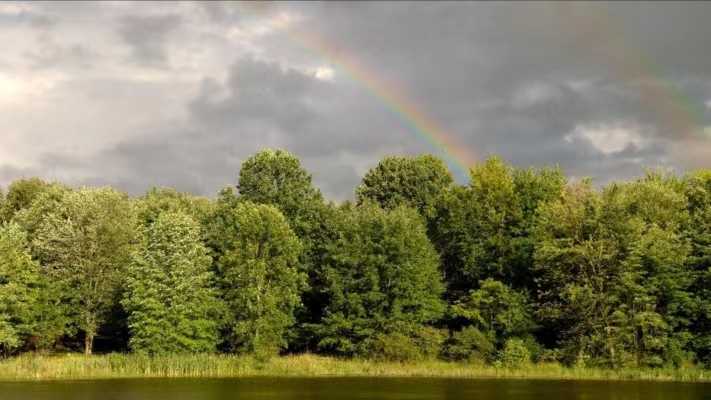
(517, 266)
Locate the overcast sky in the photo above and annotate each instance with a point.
(179, 94)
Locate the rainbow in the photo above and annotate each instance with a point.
(682, 115)
(416, 120)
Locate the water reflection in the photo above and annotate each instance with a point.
(350, 389)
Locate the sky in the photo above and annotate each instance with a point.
(143, 94)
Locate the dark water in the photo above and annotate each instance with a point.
(350, 388)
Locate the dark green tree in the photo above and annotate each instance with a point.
(698, 230)
(497, 310)
(383, 280)
(405, 180)
(277, 178)
(612, 275)
(257, 264)
(484, 230)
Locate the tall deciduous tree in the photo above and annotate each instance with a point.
(383, 278)
(2, 206)
(473, 227)
(405, 180)
(484, 230)
(51, 315)
(581, 272)
(277, 178)
(169, 297)
(21, 193)
(612, 277)
(19, 277)
(257, 264)
(698, 192)
(165, 200)
(86, 243)
(32, 214)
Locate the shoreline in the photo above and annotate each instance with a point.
(75, 367)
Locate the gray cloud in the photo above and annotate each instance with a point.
(261, 105)
(600, 88)
(148, 35)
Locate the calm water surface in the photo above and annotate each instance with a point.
(350, 388)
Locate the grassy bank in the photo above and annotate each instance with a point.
(132, 366)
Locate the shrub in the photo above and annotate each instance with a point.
(394, 347)
(534, 348)
(514, 354)
(470, 344)
(431, 341)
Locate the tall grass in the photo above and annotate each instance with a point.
(73, 366)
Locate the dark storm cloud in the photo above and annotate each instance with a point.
(533, 82)
(453, 57)
(262, 105)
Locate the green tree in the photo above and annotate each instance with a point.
(51, 316)
(405, 180)
(32, 214)
(533, 189)
(484, 230)
(169, 297)
(382, 277)
(277, 178)
(19, 275)
(257, 264)
(497, 310)
(165, 200)
(698, 230)
(611, 273)
(85, 244)
(659, 204)
(473, 227)
(2, 206)
(21, 193)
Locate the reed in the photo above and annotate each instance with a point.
(73, 366)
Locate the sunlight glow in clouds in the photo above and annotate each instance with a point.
(608, 139)
(9, 87)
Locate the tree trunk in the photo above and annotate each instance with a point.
(88, 343)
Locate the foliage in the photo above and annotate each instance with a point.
(514, 354)
(382, 277)
(20, 195)
(405, 180)
(612, 274)
(165, 200)
(496, 310)
(277, 178)
(483, 230)
(85, 243)
(169, 296)
(19, 275)
(258, 276)
(517, 266)
(470, 344)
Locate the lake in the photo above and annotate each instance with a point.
(351, 388)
